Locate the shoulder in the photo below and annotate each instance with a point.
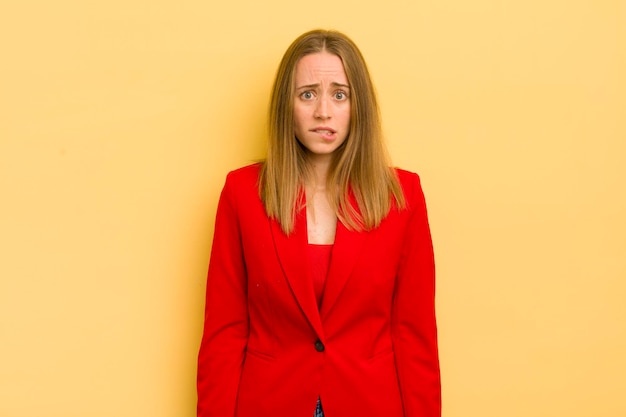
(244, 174)
(406, 177)
(412, 189)
(241, 185)
(410, 181)
(240, 193)
(243, 179)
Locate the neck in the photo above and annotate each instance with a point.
(320, 165)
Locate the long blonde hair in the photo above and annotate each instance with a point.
(360, 166)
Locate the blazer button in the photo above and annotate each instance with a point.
(319, 346)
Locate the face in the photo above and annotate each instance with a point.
(321, 104)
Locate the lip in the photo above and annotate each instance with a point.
(327, 133)
(323, 128)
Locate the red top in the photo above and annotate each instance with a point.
(319, 260)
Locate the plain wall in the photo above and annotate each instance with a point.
(119, 121)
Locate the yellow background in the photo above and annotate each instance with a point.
(120, 119)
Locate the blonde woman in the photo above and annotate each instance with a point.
(320, 290)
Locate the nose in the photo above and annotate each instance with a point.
(322, 109)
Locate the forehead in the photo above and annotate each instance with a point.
(318, 67)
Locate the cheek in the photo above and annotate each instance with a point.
(299, 124)
(298, 116)
(346, 117)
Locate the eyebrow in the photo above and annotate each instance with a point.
(333, 84)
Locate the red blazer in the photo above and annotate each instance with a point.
(269, 351)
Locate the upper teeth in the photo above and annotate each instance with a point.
(326, 132)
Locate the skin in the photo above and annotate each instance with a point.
(322, 124)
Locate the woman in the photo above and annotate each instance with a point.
(320, 290)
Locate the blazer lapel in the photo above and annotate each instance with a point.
(292, 254)
(348, 246)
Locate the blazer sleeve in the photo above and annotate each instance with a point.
(414, 330)
(225, 334)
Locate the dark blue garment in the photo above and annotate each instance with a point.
(318, 409)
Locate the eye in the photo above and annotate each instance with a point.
(307, 95)
(341, 95)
